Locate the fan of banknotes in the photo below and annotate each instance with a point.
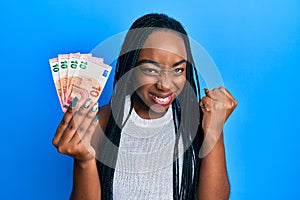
(78, 75)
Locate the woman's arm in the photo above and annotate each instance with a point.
(73, 137)
(86, 184)
(217, 106)
(213, 181)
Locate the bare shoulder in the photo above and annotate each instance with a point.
(104, 114)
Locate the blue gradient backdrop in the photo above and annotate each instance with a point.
(255, 45)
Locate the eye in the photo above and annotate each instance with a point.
(150, 71)
(178, 71)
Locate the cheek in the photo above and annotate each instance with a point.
(141, 89)
(179, 82)
(141, 81)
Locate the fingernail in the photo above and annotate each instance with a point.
(88, 103)
(74, 102)
(95, 107)
(96, 118)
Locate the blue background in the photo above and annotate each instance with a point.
(255, 45)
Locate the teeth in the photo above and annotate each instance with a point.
(163, 100)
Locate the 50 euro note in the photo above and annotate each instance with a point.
(88, 80)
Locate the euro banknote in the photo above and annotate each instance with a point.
(78, 75)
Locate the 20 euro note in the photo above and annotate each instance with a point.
(88, 80)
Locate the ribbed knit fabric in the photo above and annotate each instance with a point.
(144, 168)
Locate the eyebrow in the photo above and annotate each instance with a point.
(158, 64)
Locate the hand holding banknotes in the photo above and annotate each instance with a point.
(74, 133)
(79, 80)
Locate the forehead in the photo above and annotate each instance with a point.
(165, 41)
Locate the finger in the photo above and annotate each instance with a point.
(206, 104)
(81, 114)
(221, 99)
(231, 102)
(92, 111)
(68, 134)
(70, 147)
(90, 131)
(228, 94)
(65, 122)
(75, 140)
(211, 93)
(87, 139)
(74, 126)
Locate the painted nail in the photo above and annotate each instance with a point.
(95, 107)
(74, 102)
(87, 103)
(96, 118)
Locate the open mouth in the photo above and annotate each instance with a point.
(162, 99)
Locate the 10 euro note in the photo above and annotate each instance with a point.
(63, 61)
(82, 76)
(76, 61)
(55, 75)
(89, 80)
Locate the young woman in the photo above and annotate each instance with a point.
(154, 127)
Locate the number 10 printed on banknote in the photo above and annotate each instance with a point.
(78, 75)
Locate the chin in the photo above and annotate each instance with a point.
(158, 108)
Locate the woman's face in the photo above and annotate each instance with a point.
(160, 72)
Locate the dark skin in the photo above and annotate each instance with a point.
(155, 96)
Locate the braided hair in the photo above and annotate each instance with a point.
(182, 114)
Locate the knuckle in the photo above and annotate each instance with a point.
(69, 150)
(82, 111)
(91, 130)
(81, 129)
(215, 106)
(59, 128)
(205, 99)
(63, 122)
(235, 103)
(88, 132)
(71, 127)
(90, 116)
(54, 142)
(232, 104)
(60, 149)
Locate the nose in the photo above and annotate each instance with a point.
(164, 82)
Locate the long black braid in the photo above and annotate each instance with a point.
(182, 114)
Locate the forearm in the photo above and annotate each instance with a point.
(213, 181)
(86, 184)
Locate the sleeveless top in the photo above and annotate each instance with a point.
(144, 167)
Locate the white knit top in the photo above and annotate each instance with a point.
(144, 168)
